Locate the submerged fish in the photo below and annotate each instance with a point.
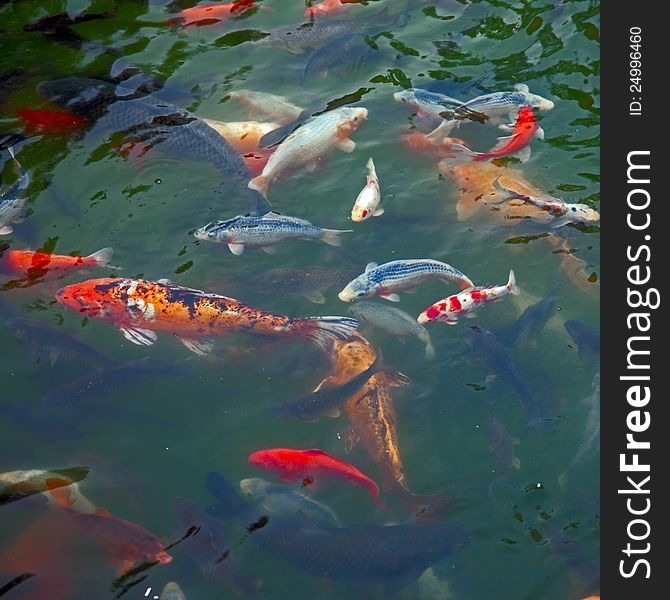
(155, 123)
(499, 363)
(285, 502)
(325, 8)
(172, 591)
(50, 121)
(328, 396)
(17, 485)
(139, 308)
(310, 282)
(42, 265)
(368, 200)
(307, 465)
(525, 130)
(590, 444)
(501, 445)
(562, 211)
(263, 232)
(311, 143)
(244, 136)
(208, 547)
(448, 310)
(13, 199)
(398, 276)
(270, 107)
(394, 321)
(584, 571)
(109, 382)
(49, 343)
(530, 324)
(393, 555)
(585, 336)
(374, 422)
(203, 14)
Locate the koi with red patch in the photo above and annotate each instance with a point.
(328, 7)
(50, 121)
(139, 308)
(449, 309)
(306, 465)
(204, 14)
(42, 265)
(525, 129)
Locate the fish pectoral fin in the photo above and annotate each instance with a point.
(524, 154)
(53, 357)
(326, 383)
(316, 297)
(346, 145)
(516, 463)
(236, 249)
(269, 249)
(6, 230)
(539, 133)
(139, 336)
(164, 281)
(199, 347)
(396, 378)
(370, 266)
(441, 131)
(333, 414)
(506, 127)
(378, 213)
(560, 221)
(391, 297)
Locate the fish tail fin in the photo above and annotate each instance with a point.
(8, 140)
(230, 502)
(371, 167)
(430, 349)
(323, 331)
(511, 284)
(458, 155)
(426, 508)
(60, 493)
(260, 184)
(102, 258)
(332, 236)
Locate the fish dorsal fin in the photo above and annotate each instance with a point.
(370, 266)
(59, 493)
(316, 452)
(103, 512)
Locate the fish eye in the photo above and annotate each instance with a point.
(360, 294)
(355, 119)
(574, 209)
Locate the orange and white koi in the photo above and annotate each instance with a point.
(525, 129)
(242, 135)
(42, 265)
(325, 8)
(368, 201)
(139, 308)
(449, 309)
(204, 14)
(270, 107)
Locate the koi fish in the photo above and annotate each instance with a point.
(563, 212)
(449, 309)
(400, 275)
(286, 502)
(13, 200)
(50, 121)
(368, 200)
(17, 485)
(310, 143)
(139, 308)
(393, 321)
(42, 265)
(371, 413)
(204, 14)
(172, 591)
(585, 336)
(432, 105)
(421, 142)
(525, 129)
(263, 232)
(306, 465)
(262, 105)
(501, 445)
(242, 135)
(325, 8)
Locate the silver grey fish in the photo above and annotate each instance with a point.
(394, 321)
(310, 282)
(286, 502)
(272, 228)
(50, 343)
(172, 591)
(13, 199)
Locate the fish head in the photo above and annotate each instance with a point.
(583, 213)
(432, 313)
(350, 119)
(216, 231)
(360, 213)
(353, 356)
(361, 287)
(406, 97)
(263, 458)
(96, 298)
(254, 487)
(539, 103)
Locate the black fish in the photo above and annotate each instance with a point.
(499, 363)
(501, 445)
(50, 343)
(152, 121)
(586, 337)
(394, 555)
(529, 325)
(206, 544)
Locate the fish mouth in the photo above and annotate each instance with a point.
(344, 296)
(422, 319)
(398, 96)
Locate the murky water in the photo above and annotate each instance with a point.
(156, 439)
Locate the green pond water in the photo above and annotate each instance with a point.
(156, 440)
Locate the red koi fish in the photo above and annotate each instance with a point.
(326, 7)
(139, 308)
(50, 121)
(204, 14)
(41, 265)
(423, 143)
(291, 465)
(525, 129)
(450, 309)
